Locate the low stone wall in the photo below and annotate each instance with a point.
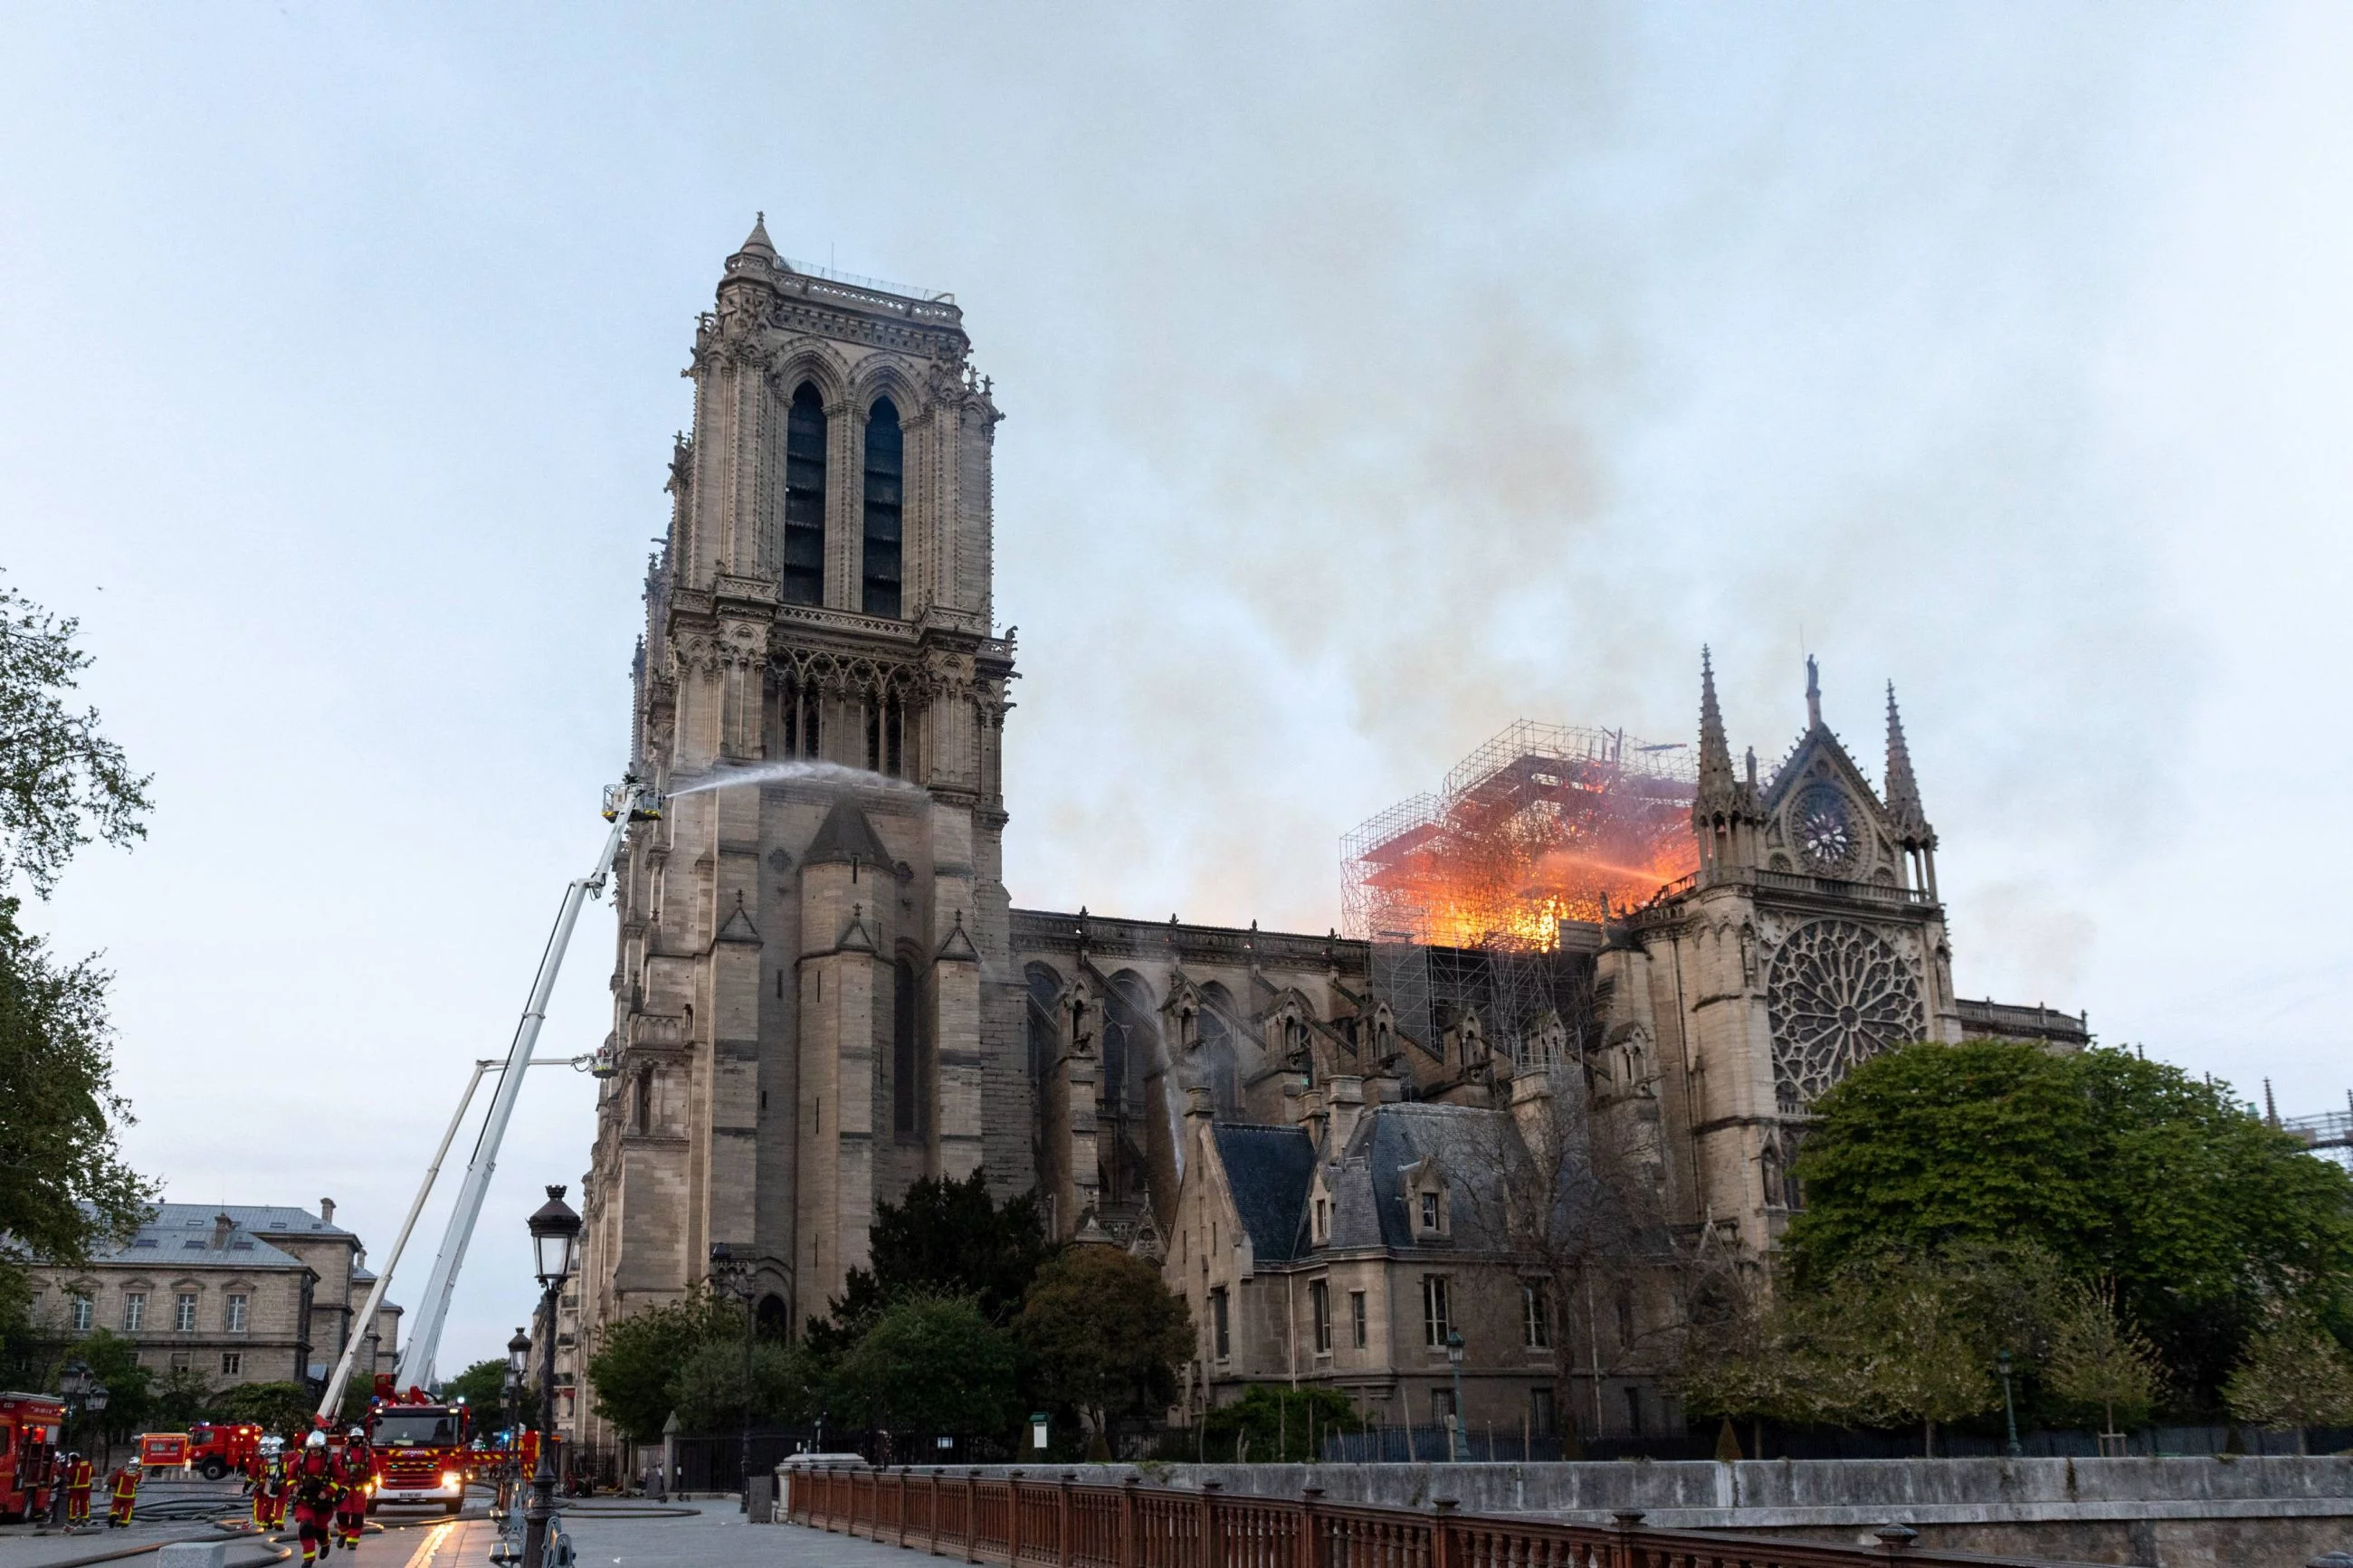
(2234, 1512)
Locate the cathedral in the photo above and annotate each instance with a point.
(823, 990)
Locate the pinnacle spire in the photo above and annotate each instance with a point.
(1902, 786)
(756, 243)
(1716, 778)
(1813, 695)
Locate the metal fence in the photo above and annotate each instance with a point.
(1062, 1524)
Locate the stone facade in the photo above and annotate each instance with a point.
(822, 991)
(241, 1294)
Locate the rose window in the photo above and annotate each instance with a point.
(1839, 995)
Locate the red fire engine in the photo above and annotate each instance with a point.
(215, 1450)
(420, 1449)
(30, 1424)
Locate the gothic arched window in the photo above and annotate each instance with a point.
(1129, 1040)
(906, 1053)
(884, 485)
(1045, 1043)
(1217, 1061)
(804, 575)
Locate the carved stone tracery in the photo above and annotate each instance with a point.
(1840, 994)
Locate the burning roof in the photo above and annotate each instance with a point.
(1543, 824)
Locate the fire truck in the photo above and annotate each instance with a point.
(215, 1450)
(30, 1425)
(421, 1454)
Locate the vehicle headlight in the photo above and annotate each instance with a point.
(452, 1479)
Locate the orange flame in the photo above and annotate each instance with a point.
(1510, 864)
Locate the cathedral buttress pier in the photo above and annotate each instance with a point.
(811, 1008)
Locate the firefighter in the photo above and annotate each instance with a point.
(313, 1491)
(358, 1468)
(123, 1494)
(78, 1477)
(269, 1494)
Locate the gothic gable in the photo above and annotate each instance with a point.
(1823, 818)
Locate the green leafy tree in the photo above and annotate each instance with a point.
(60, 777)
(636, 1367)
(789, 1385)
(284, 1408)
(1926, 1363)
(181, 1396)
(483, 1386)
(113, 1361)
(1105, 1336)
(69, 1187)
(62, 782)
(2100, 1361)
(933, 1365)
(2122, 1169)
(1277, 1426)
(2294, 1373)
(944, 1239)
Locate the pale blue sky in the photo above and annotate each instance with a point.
(1374, 376)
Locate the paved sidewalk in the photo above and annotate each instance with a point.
(393, 1548)
(715, 1536)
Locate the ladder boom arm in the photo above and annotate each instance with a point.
(424, 1342)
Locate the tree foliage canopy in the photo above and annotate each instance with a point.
(636, 1368)
(945, 1237)
(1104, 1335)
(281, 1407)
(932, 1364)
(2294, 1373)
(2126, 1170)
(1269, 1425)
(63, 1182)
(787, 1385)
(483, 1387)
(67, 1186)
(60, 778)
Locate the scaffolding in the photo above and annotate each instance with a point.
(1487, 898)
(1544, 823)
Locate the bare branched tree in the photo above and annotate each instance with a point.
(1568, 1205)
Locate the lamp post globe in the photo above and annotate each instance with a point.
(554, 1239)
(519, 1354)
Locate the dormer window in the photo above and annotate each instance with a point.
(1428, 1211)
(1322, 1231)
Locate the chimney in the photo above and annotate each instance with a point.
(327, 1210)
(1345, 1095)
(222, 1227)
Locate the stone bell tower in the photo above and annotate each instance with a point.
(811, 999)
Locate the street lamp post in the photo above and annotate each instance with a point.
(1454, 1356)
(2008, 1409)
(555, 1242)
(518, 1368)
(734, 1275)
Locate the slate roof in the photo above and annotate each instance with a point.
(1268, 1169)
(180, 1236)
(1467, 1141)
(846, 835)
(261, 1218)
